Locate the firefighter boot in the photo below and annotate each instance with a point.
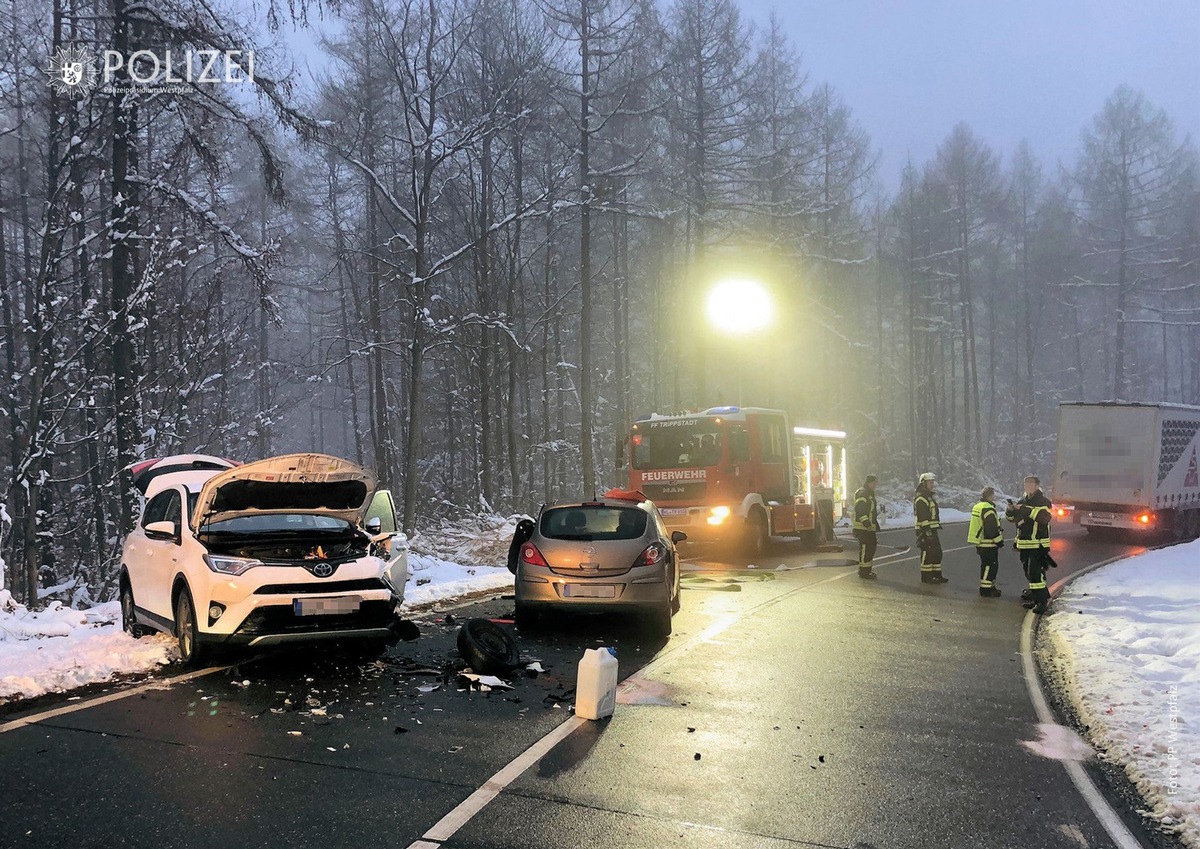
(867, 573)
(990, 592)
(936, 577)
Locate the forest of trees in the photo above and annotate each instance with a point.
(477, 245)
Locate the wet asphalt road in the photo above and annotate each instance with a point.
(825, 711)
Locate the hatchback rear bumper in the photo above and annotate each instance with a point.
(641, 587)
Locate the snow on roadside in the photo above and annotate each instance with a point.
(431, 579)
(459, 557)
(1125, 643)
(58, 649)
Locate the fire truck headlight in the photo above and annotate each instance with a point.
(717, 515)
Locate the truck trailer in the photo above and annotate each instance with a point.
(1129, 469)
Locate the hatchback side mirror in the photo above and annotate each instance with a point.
(374, 525)
(162, 530)
(678, 536)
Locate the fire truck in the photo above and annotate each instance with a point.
(740, 475)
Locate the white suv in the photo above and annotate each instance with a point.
(287, 549)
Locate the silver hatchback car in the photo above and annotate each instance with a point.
(597, 556)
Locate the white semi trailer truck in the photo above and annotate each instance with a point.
(1129, 469)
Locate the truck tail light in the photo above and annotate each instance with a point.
(531, 555)
(1145, 518)
(654, 554)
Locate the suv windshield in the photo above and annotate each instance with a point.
(677, 445)
(274, 523)
(593, 523)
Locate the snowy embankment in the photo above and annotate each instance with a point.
(1124, 642)
(59, 649)
(458, 558)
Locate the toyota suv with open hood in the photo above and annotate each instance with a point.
(286, 549)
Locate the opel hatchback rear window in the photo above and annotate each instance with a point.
(593, 523)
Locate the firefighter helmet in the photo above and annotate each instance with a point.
(926, 476)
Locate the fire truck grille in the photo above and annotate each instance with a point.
(674, 491)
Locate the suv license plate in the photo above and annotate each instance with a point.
(589, 591)
(672, 511)
(327, 606)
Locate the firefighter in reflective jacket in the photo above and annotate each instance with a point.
(866, 526)
(985, 534)
(925, 508)
(1032, 517)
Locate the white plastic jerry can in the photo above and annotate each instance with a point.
(596, 685)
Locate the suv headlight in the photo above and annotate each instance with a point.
(230, 565)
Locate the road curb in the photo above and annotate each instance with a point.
(1051, 705)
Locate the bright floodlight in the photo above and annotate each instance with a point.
(739, 306)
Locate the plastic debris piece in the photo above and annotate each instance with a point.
(490, 681)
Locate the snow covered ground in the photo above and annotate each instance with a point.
(432, 579)
(58, 649)
(1125, 642)
(459, 557)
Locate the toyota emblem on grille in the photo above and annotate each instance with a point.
(323, 570)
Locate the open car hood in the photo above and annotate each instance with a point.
(316, 484)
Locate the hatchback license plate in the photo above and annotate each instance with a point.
(672, 511)
(327, 606)
(589, 591)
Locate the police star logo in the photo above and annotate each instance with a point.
(72, 71)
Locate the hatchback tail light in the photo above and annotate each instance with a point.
(531, 555)
(654, 554)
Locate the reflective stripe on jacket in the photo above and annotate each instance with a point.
(866, 511)
(984, 530)
(1031, 515)
(925, 509)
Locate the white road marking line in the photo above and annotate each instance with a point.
(160, 684)
(1104, 812)
(448, 825)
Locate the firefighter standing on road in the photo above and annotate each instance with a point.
(1032, 517)
(985, 534)
(866, 526)
(925, 508)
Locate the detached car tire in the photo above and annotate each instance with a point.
(187, 630)
(487, 648)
